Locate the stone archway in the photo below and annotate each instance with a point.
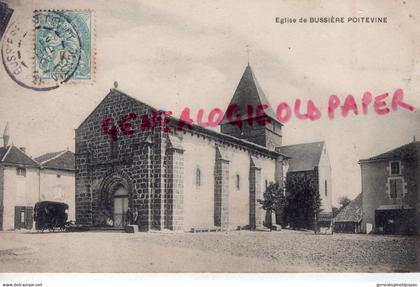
(115, 199)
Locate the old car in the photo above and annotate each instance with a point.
(50, 215)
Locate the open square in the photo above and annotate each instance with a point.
(242, 251)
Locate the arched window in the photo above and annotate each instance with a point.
(238, 182)
(198, 177)
(326, 188)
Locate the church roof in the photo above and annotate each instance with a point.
(407, 151)
(194, 128)
(304, 156)
(352, 212)
(12, 155)
(249, 93)
(63, 160)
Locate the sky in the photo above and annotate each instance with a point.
(192, 54)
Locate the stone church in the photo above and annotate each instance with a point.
(178, 179)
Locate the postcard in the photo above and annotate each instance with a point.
(214, 137)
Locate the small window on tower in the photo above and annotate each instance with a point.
(198, 177)
(238, 183)
(326, 188)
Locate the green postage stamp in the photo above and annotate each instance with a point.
(63, 46)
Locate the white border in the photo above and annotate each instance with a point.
(211, 280)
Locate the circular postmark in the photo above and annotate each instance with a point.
(42, 58)
(17, 57)
(57, 47)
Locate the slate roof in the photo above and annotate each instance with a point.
(62, 160)
(12, 155)
(304, 156)
(3, 151)
(406, 151)
(174, 122)
(249, 92)
(47, 156)
(352, 212)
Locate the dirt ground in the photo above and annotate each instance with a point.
(240, 251)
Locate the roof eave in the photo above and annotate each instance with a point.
(372, 160)
(197, 128)
(57, 168)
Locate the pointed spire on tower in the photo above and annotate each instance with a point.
(6, 135)
(248, 51)
(249, 94)
(248, 113)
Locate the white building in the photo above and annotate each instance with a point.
(25, 181)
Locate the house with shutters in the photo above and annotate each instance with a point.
(25, 181)
(172, 178)
(390, 191)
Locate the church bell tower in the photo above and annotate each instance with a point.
(250, 116)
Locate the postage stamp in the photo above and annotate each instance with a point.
(63, 46)
(50, 48)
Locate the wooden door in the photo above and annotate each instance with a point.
(120, 211)
(24, 217)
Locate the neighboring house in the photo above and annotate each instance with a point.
(24, 182)
(57, 181)
(349, 219)
(391, 188)
(19, 188)
(193, 178)
(312, 159)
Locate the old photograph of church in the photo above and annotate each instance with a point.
(190, 178)
(209, 137)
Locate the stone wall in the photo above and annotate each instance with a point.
(174, 186)
(268, 135)
(221, 190)
(200, 203)
(101, 161)
(255, 217)
(158, 168)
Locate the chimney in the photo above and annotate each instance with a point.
(6, 135)
(22, 148)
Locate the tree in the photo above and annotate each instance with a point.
(302, 201)
(344, 201)
(273, 199)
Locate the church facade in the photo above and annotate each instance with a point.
(180, 179)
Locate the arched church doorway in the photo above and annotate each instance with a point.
(120, 206)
